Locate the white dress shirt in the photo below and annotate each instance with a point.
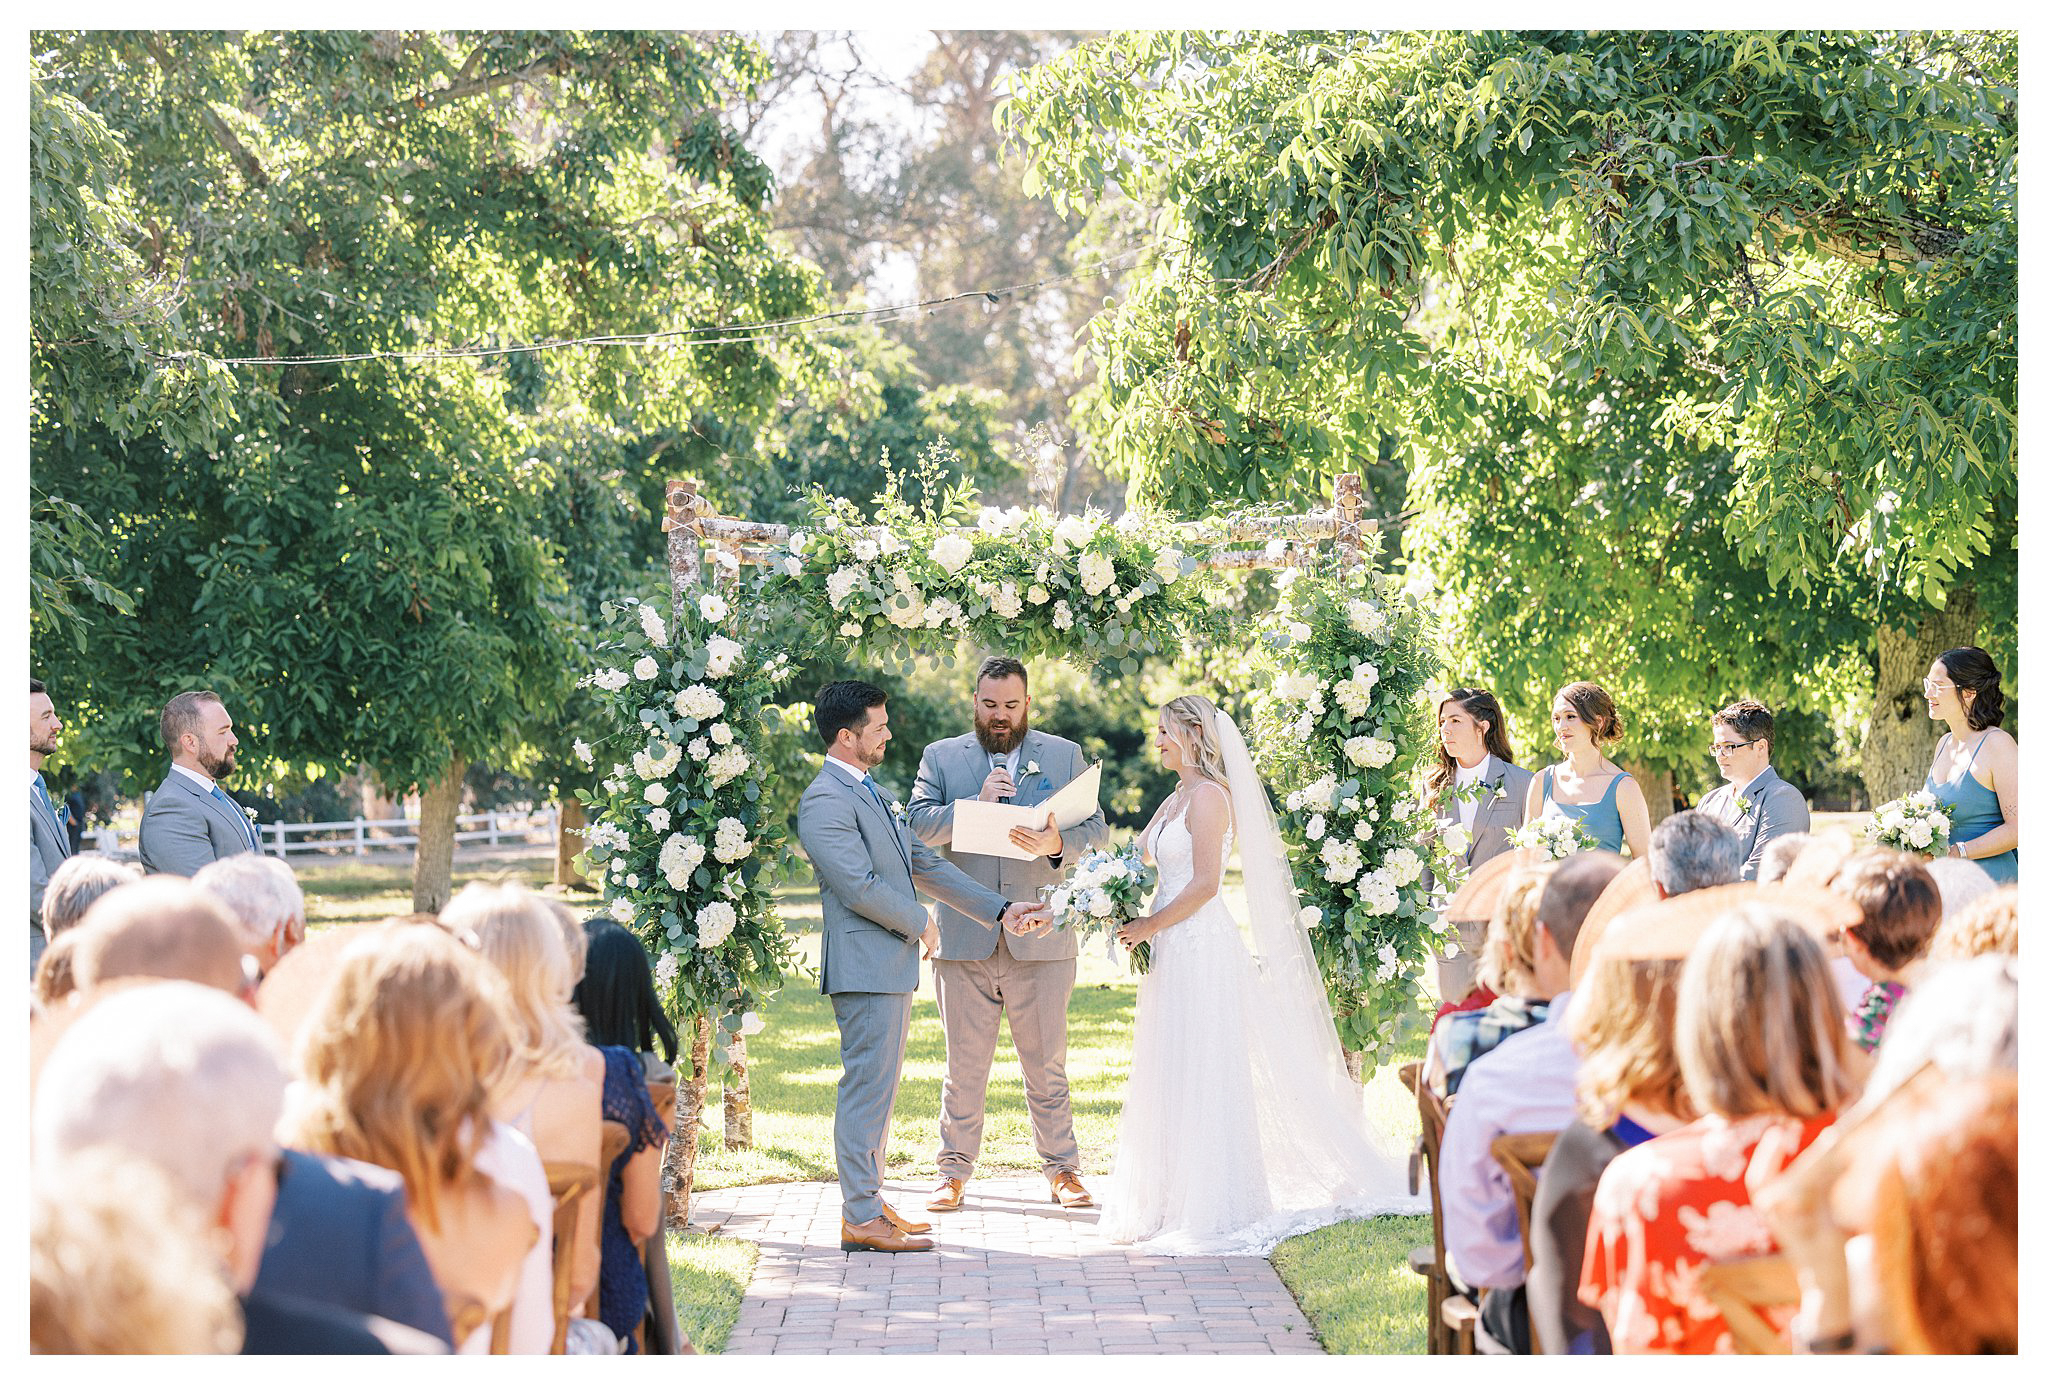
(1468, 808)
(205, 784)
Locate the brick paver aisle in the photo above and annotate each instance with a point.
(1013, 1273)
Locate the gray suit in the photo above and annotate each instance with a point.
(978, 977)
(48, 848)
(185, 828)
(1456, 976)
(869, 869)
(1776, 808)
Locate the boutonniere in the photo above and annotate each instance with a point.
(1031, 767)
(251, 812)
(1743, 807)
(899, 812)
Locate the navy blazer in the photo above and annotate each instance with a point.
(339, 1236)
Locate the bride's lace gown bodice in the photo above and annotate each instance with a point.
(1210, 1152)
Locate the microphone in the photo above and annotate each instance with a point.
(995, 762)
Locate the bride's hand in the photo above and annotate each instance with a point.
(1136, 931)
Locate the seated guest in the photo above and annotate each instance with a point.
(554, 1088)
(119, 1263)
(76, 884)
(399, 1064)
(1507, 968)
(1901, 909)
(161, 927)
(618, 991)
(1525, 1085)
(265, 898)
(1779, 855)
(1758, 805)
(188, 1079)
(1989, 924)
(1761, 1041)
(56, 973)
(1960, 883)
(1962, 1016)
(1692, 851)
(1629, 1091)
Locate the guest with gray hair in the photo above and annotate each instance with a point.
(1960, 882)
(1778, 857)
(265, 898)
(1691, 851)
(76, 884)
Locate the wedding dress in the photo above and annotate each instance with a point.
(1241, 1126)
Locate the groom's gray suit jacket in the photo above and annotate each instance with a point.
(869, 869)
(954, 769)
(185, 828)
(1775, 809)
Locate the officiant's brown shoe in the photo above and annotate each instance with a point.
(1068, 1192)
(948, 1196)
(880, 1235)
(903, 1223)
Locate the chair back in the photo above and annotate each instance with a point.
(1452, 1316)
(569, 1184)
(616, 1138)
(1520, 1156)
(1742, 1289)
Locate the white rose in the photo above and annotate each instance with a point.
(657, 794)
(622, 910)
(644, 668)
(583, 753)
(1309, 917)
(1362, 830)
(794, 567)
(722, 654)
(1062, 616)
(721, 734)
(1316, 827)
(1101, 906)
(1299, 632)
(1456, 838)
(1038, 595)
(712, 607)
(953, 552)
(657, 818)
(611, 679)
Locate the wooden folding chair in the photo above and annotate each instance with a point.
(569, 1184)
(1423, 1260)
(1452, 1316)
(1741, 1289)
(614, 1144)
(1520, 1156)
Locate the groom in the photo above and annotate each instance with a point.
(979, 976)
(869, 869)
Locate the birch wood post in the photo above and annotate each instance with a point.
(682, 523)
(739, 1109)
(1350, 546)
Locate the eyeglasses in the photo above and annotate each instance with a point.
(1931, 686)
(1729, 747)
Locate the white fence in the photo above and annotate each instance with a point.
(361, 836)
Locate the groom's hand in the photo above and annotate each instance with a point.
(1045, 842)
(1025, 918)
(930, 938)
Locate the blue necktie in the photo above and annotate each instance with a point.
(868, 782)
(43, 790)
(241, 816)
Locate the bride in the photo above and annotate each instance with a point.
(1241, 1126)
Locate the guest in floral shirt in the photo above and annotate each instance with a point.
(1761, 1044)
(1901, 908)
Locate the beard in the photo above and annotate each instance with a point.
(219, 768)
(46, 746)
(1004, 735)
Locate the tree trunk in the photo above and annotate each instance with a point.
(433, 862)
(1898, 745)
(569, 825)
(739, 1108)
(1657, 791)
(680, 1171)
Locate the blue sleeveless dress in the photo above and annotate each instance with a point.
(1602, 819)
(1972, 811)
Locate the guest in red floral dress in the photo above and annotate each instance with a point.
(1761, 1042)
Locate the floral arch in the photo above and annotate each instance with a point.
(679, 832)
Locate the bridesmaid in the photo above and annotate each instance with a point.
(1476, 784)
(1587, 785)
(1976, 771)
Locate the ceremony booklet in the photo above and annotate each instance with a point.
(983, 829)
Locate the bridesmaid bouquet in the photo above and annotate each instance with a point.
(1106, 890)
(1555, 835)
(1913, 823)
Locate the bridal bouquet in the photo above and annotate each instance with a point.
(1106, 890)
(1913, 823)
(1555, 835)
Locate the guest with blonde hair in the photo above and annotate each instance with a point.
(1508, 968)
(1989, 924)
(400, 1064)
(1761, 1043)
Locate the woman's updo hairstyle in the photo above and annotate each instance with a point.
(1595, 708)
(1972, 671)
(1191, 725)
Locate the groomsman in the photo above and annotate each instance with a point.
(191, 821)
(48, 845)
(1755, 802)
(981, 975)
(1480, 789)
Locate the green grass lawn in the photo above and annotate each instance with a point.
(367, 890)
(1352, 1280)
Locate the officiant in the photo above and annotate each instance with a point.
(982, 974)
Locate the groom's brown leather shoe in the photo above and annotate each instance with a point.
(880, 1235)
(903, 1223)
(947, 1196)
(1068, 1192)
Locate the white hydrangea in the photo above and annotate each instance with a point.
(1166, 567)
(1402, 866)
(842, 583)
(680, 857)
(1074, 531)
(1354, 694)
(906, 610)
(1320, 794)
(1062, 616)
(652, 626)
(722, 655)
(1098, 573)
(953, 552)
(1378, 894)
(715, 922)
(731, 843)
(726, 766)
(1341, 860)
(1296, 687)
(698, 703)
(1368, 752)
(658, 761)
(944, 614)
(621, 909)
(866, 551)
(611, 679)
(667, 970)
(1390, 962)
(890, 543)
(1367, 619)
(721, 734)
(1006, 603)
